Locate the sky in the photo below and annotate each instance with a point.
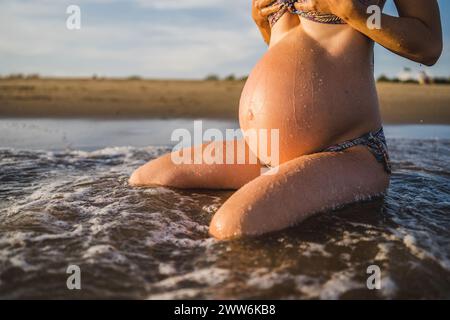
(186, 39)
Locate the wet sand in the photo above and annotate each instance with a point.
(98, 98)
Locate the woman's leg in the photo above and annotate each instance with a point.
(302, 187)
(164, 171)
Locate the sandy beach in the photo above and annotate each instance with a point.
(98, 98)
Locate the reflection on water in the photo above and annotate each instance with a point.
(74, 207)
(53, 134)
(81, 134)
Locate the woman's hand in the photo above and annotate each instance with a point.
(415, 34)
(261, 10)
(340, 8)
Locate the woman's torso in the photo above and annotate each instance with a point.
(315, 84)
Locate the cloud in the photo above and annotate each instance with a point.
(234, 5)
(152, 38)
(36, 40)
(184, 4)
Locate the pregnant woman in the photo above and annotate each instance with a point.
(315, 85)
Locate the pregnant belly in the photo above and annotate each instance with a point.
(311, 99)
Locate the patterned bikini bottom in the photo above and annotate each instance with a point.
(374, 141)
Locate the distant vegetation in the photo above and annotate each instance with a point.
(18, 76)
(231, 77)
(441, 80)
(384, 78)
(134, 77)
(212, 77)
(421, 80)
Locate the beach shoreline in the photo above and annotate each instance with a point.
(135, 99)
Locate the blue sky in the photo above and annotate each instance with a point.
(151, 38)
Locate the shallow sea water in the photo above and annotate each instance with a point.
(64, 200)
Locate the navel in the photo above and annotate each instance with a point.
(250, 115)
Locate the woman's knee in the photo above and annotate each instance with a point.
(241, 215)
(156, 172)
(227, 224)
(142, 175)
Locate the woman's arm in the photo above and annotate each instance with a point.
(261, 10)
(416, 34)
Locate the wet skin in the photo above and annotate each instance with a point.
(315, 85)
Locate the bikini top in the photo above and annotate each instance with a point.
(288, 6)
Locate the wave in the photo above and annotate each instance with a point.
(74, 207)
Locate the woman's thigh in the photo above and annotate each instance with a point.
(199, 171)
(300, 188)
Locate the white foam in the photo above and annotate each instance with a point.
(432, 252)
(309, 249)
(93, 253)
(179, 294)
(166, 269)
(207, 276)
(264, 279)
(383, 251)
(338, 284)
(77, 232)
(310, 287)
(388, 287)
